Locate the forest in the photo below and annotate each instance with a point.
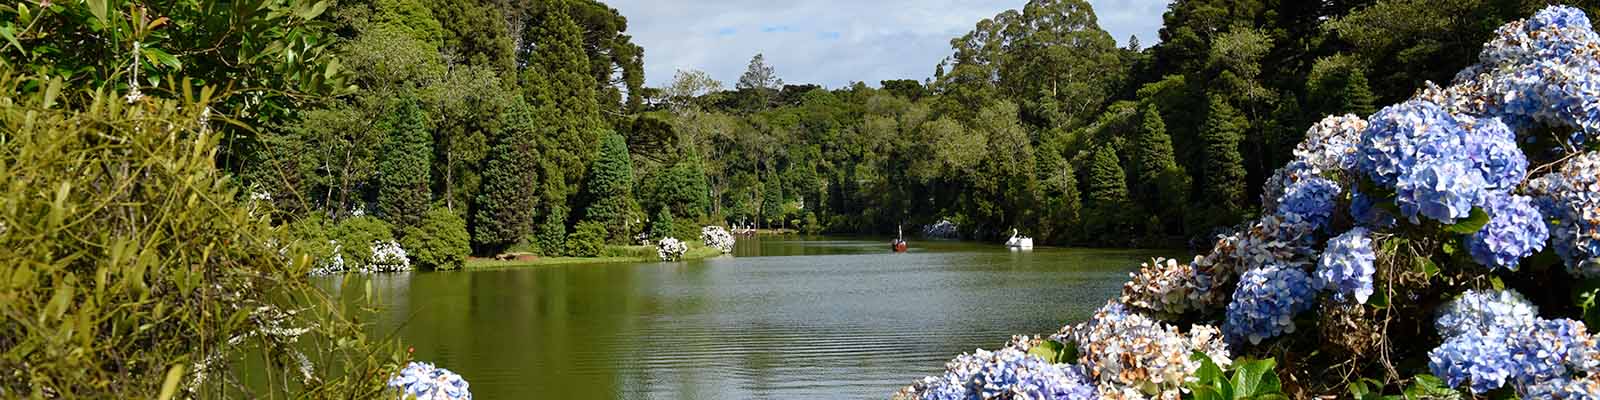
(503, 114)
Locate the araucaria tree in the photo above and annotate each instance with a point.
(608, 191)
(403, 172)
(504, 213)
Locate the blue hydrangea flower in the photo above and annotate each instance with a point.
(1540, 360)
(1346, 266)
(1481, 358)
(1265, 303)
(1442, 189)
(1515, 231)
(1570, 199)
(424, 381)
(1403, 135)
(1485, 311)
(1492, 147)
(1005, 374)
(1310, 197)
(1540, 70)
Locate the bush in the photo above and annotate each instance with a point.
(356, 237)
(132, 264)
(440, 242)
(662, 225)
(587, 240)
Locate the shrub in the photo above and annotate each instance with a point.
(587, 240)
(133, 265)
(356, 237)
(440, 242)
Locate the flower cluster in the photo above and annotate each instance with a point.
(1495, 338)
(1515, 231)
(1163, 287)
(1266, 301)
(1440, 165)
(944, 229)
(1346, 268)
(423, 381)
(1364, 209)
(1329, 146)
(1005, 374)
(671, 249)
(1271, 240)
(717, 237)
(1545, 69)
(1571, 197)
(330, 265)
(1127, 352)
(1311, 199)
(388, 257)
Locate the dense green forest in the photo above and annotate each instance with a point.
(1038, 120)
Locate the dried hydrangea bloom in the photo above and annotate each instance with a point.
(1164, 287)
(1126, 352)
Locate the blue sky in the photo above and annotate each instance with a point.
(831, 42)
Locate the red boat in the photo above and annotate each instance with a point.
(899, 244)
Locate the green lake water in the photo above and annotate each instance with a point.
(818, 318)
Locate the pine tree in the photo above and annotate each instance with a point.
(1059, 183)
(608, 190)
(661, 226)
(1224, 183)
(1164, 185)
(561, 82)
(552, 230)
(1108, 195)
(504, 213)
(403, 172)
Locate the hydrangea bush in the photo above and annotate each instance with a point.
(1392, 246)
(671, 249)
(717, 237)
(423, 381)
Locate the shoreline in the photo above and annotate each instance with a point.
(627, 254)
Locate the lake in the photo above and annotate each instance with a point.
(781, 318)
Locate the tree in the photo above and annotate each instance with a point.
(1164, 185)
(687, 87)
(403, 171)
(1107, 196)
(1224, 180)
(608, 191)
(761, 81)
(562, 87)
(504, 212)
(1058, 184)
(662, 225)
(771, 202)
(1338, 85)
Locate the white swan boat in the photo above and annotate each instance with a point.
(1019, 242)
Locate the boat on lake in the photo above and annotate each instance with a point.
(1018, 241)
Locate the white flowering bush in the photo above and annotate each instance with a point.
(423, 381)
(717, 237)
(671, 249)
(1392, 249)
(388, 256)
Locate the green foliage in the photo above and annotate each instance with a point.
(1338, 85)
(1422, 387)
(608, 192)
(552, 234)
(1107, 196)
(1163, 184)
(1055, 352)
(504, 212)
(356, 237)
(559, 81)
(662, 226)
(403, 170)
(440, 242)
(1251, 379)
(1224, 180)
(681, 187)
(586, 240)
(131, 259)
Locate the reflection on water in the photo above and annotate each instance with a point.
(781, 318)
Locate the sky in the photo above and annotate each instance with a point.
(831, 42)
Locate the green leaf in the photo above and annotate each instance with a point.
(1379, 300)
(163, 58)
(313, 11)
(1207, 393)
(1256, 378)
(98, 8)
(1494, 281)
(9, 32)
(1208, 373)
(1427, 267)
(1472, 224)
(1049, 350)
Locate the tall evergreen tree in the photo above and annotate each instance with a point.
(1338, 85)
(1224, 183)
(1164, 185)
(563, 87)
(1058, 184)
(403, 172)
(608, 191)
(504, 213)
(1153, 154)
(1107, 196)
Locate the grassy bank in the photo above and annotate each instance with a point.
(612, 254)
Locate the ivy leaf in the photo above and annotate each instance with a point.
(1472, 224)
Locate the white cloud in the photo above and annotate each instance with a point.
(830, 42)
